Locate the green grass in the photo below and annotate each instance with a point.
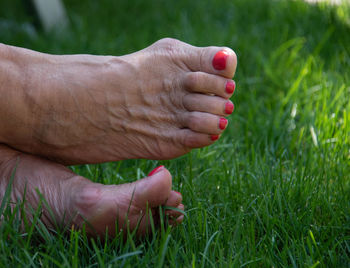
(275, 189)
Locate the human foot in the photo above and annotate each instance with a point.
(75, 200)
(158, 103)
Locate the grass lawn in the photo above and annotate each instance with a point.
(275, 189)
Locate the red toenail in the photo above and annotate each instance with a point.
(223, 123)
(230, 87)
(156, 170)
(219, 61)
(178, 193)
(214, 137)
(229, 107)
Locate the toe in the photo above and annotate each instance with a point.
(191, 139)
(209, 84)
(208, 104)
(154, 190)
(180, 219)
(204, 122)
(174, 199)
(176, 216)
(215, 60)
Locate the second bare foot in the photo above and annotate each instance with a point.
(75, 200)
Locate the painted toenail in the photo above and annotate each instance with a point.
(230, 87)
(156, 170)
(214, 137)
(219, 61)
(229, 107)
(223, 123)
(178, 193)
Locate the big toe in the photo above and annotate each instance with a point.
(102, 205)
(215, 60)
(155, 189)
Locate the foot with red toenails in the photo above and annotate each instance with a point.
(158, 103)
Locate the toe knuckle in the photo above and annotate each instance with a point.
(193, 121)
(192, 80)
(167, 42)
(190, 141)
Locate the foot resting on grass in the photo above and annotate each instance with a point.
(158, 103)
(75, 200)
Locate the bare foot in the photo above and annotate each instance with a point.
(158, 103)
(75, 200)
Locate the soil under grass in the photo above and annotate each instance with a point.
(275, 189)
